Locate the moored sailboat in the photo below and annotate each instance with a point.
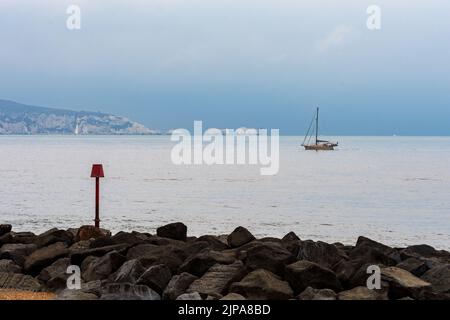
(318, 144)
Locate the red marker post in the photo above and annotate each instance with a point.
(97, 173)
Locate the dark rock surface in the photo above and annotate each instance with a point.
(176, 231)
(170, 265)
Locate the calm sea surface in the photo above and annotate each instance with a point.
(392, 189)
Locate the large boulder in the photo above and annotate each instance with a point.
(198, 264)
(317, 294)
(55, 276)
(44, 257)
(239, 237)
(133, 238)
(19, 282)
(91, 232)
(156, 277)
(425, 251)
(216, 281)
(403, 284)
(128, 291)
(214, 242)
(77, 256)
(363, 293)
(17, 252)
(94, 287)
(176, 231)
(22, 237)
(439, 277)
(262, 285)
(324, 254)
(303, 274)
(416, 266)
(130, 272)
(150, 254)
(178, 285)
(4, 229)
(52, 236)
(376, 250)
(9, 266)
(102, 268)
(6, 238)
(291, 236)
(269, 256)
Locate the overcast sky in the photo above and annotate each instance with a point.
(233, 63)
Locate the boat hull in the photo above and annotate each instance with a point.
(319, 147)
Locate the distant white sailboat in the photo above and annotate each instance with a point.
(77, 129)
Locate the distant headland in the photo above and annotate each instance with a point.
(17, 118)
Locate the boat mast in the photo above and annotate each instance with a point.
(317, 125)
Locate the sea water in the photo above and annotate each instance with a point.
(392, 189)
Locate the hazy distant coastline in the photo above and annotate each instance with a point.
(17, 118)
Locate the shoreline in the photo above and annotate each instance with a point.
(172, 265)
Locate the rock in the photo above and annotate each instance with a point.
(190, 296)
(130, 272)
(345, 270)
(43, 257)
(161, 241)
(201, 262)
(239, 237)
(363, 293)
(17, 252)
(101, 268)
(177, 231)
(324, 254)
(233, 296)
(100, 242)
(317, 294)
(52, 236)
(423, 250)
(128, 291)
(393, 254)
(55, 269)
(303, 274)
(216, 281)
(156, 277)
(269, 256)
(6, 238)
(262, 285)
(91, 232)
(193, 248)
(214, 242)
(77, 257)
(94, 287)
(19, 282)
(79, 246)
(415, 266)
(360, 276)
(178, 285)
(402, 283)
(68, 294)
(439, 277)
(8, 266)
(23, 237)
(291, 236)
(371, 255)
(5, 228)
(133, 238)
(149, 254)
